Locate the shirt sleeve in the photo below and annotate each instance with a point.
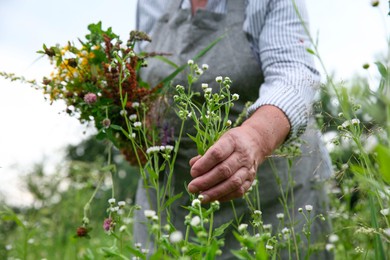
(280, 43)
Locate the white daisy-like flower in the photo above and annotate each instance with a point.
(133, 117)
(176, 237)
(135, 104)
(199, 71)
(205, 66)
(386, 231)
(114, 209)
(309, 208)
(195, 203)
(137, 124)
(385, 212)
(208, 90)
(195, 221)
(149, 213)
(111, 201)
(242, 227)
(355, 121)
(235, 96)
(280, 216)
(169, 148)
(215, 203)
(205, 86)
(218, 79)
(121, 203)
(153, 149)
(267, 227)
(285, 230)
(122, 228)
(190, 62)
(269, 247)
(346, 124)
(229, 122)
(257, 212)
(123, 112)
(329, 247)
(333, 238)
(179, 88)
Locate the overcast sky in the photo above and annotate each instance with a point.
(350, 33)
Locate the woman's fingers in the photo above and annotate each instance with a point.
(235, 186)
(217, 153)
(218, 174)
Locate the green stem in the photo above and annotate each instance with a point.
(211, 228)
(379, 251)
(88, 204)
(284, 198)
(234, 212)
(109, 159)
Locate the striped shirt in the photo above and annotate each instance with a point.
(279, 41)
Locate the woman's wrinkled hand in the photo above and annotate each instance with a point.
(226, 171)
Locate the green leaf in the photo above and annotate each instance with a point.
(171, 76)
(205, 50)
(382, 69)
(261, 252)
(383, 158)
(136, 252)
(221, 229)
(310, 51)
(168, 61)
(172, 199)
(109, 252)
(116, 127)
(193, 138)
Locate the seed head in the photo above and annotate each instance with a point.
(106, 122)
(82, 231)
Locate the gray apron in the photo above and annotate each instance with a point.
(184, 35)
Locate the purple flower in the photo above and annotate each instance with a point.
(107, 224)
(90, 98)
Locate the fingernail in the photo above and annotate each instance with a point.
(192, 188)
(205, 199)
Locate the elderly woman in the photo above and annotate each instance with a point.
(264, 52)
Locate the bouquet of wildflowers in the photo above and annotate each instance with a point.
(100, 83)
